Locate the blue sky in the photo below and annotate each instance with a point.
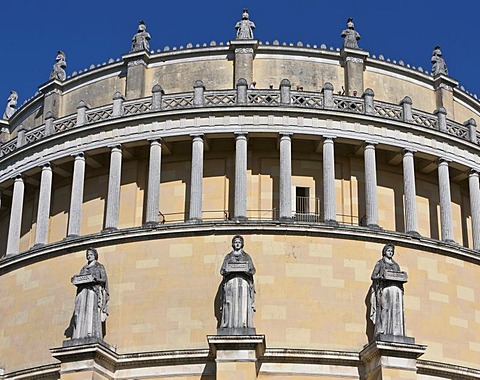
(93, 31)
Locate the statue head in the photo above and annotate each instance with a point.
(388, 250)
(141, 26)
(350, 24)
(437, 51)
(13, 97)
(91, 251)
(245, 14)
(237, 242)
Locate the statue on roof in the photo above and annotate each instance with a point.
(11, 105)
(350, 35)
(58, 71)
(140, 39)
(438, 63)
(245, 27)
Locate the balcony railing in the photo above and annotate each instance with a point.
(324, 100)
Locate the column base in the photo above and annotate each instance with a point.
(414, 234)
(330, 222)
(150, 224)
(450, 241)
(240, 219)
(286, 219)
(109, 229)
(375, 227)
(195, 220)
(71, 236)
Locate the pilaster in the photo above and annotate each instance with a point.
(244, 51)
(444, 86)
(52, 91)
(354, 66)
(136, 63)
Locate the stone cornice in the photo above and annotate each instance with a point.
(445, 370)
(166, 231)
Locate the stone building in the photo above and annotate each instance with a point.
(157, 159)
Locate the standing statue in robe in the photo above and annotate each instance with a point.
(438, 63)
(387, 312)
(245, 27)
(350, 35)
(58, 71)
(238, 291)
(91, 300)
(11, 105)
(140, 39)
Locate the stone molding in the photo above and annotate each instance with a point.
(79, 243)
(223, 120)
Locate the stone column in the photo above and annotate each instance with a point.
(244, 51)
(153, 192)
(371, 203)
(409, 191)
(76, 200)
(241, 176)
(473, 184)
(43, 212)
(113, 196)
(330, 214)
(354, 65)
(196, 179)
(285, 176)
(446, 224)
(14, 228)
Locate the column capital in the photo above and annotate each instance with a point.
(473, 172)
(155, 140)
(79, 155)
(329, 137)
(285, 134)
(443, 161)
(114, 147)
(197, 135)
(370, 144)
(240, 133)
(18, 177)
(409, 150)
(47, 165)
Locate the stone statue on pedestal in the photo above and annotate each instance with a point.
(350, 35)
(58, 71)
(238, 291)
(438, 63)
(91, 300)
(387, 312)
(11, 105)
(245, 27)
(140, 39)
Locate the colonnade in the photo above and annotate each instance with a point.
(240, 204)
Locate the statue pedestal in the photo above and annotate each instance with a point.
(354, 65)
(87, 358)
(243, 65)
(391, 360)
(236, 356)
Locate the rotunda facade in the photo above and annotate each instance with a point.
(318, 158)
